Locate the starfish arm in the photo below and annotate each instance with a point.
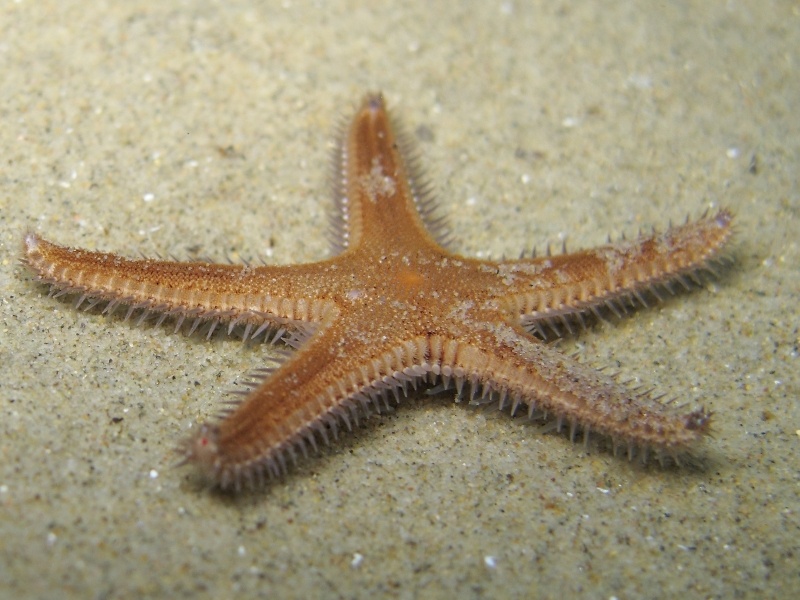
(376, 187)
(525, 371)
(306, 400)
(237, 294)
(555, 287)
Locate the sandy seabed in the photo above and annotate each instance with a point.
(205, 128)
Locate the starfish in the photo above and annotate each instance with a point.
(393, 308)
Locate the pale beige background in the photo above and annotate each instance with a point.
(203, 128)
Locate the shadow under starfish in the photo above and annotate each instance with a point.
(393, 309)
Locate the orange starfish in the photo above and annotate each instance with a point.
(394, 308)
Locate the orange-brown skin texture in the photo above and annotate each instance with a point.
(394, 308)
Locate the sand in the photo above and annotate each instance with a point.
(204, 129)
